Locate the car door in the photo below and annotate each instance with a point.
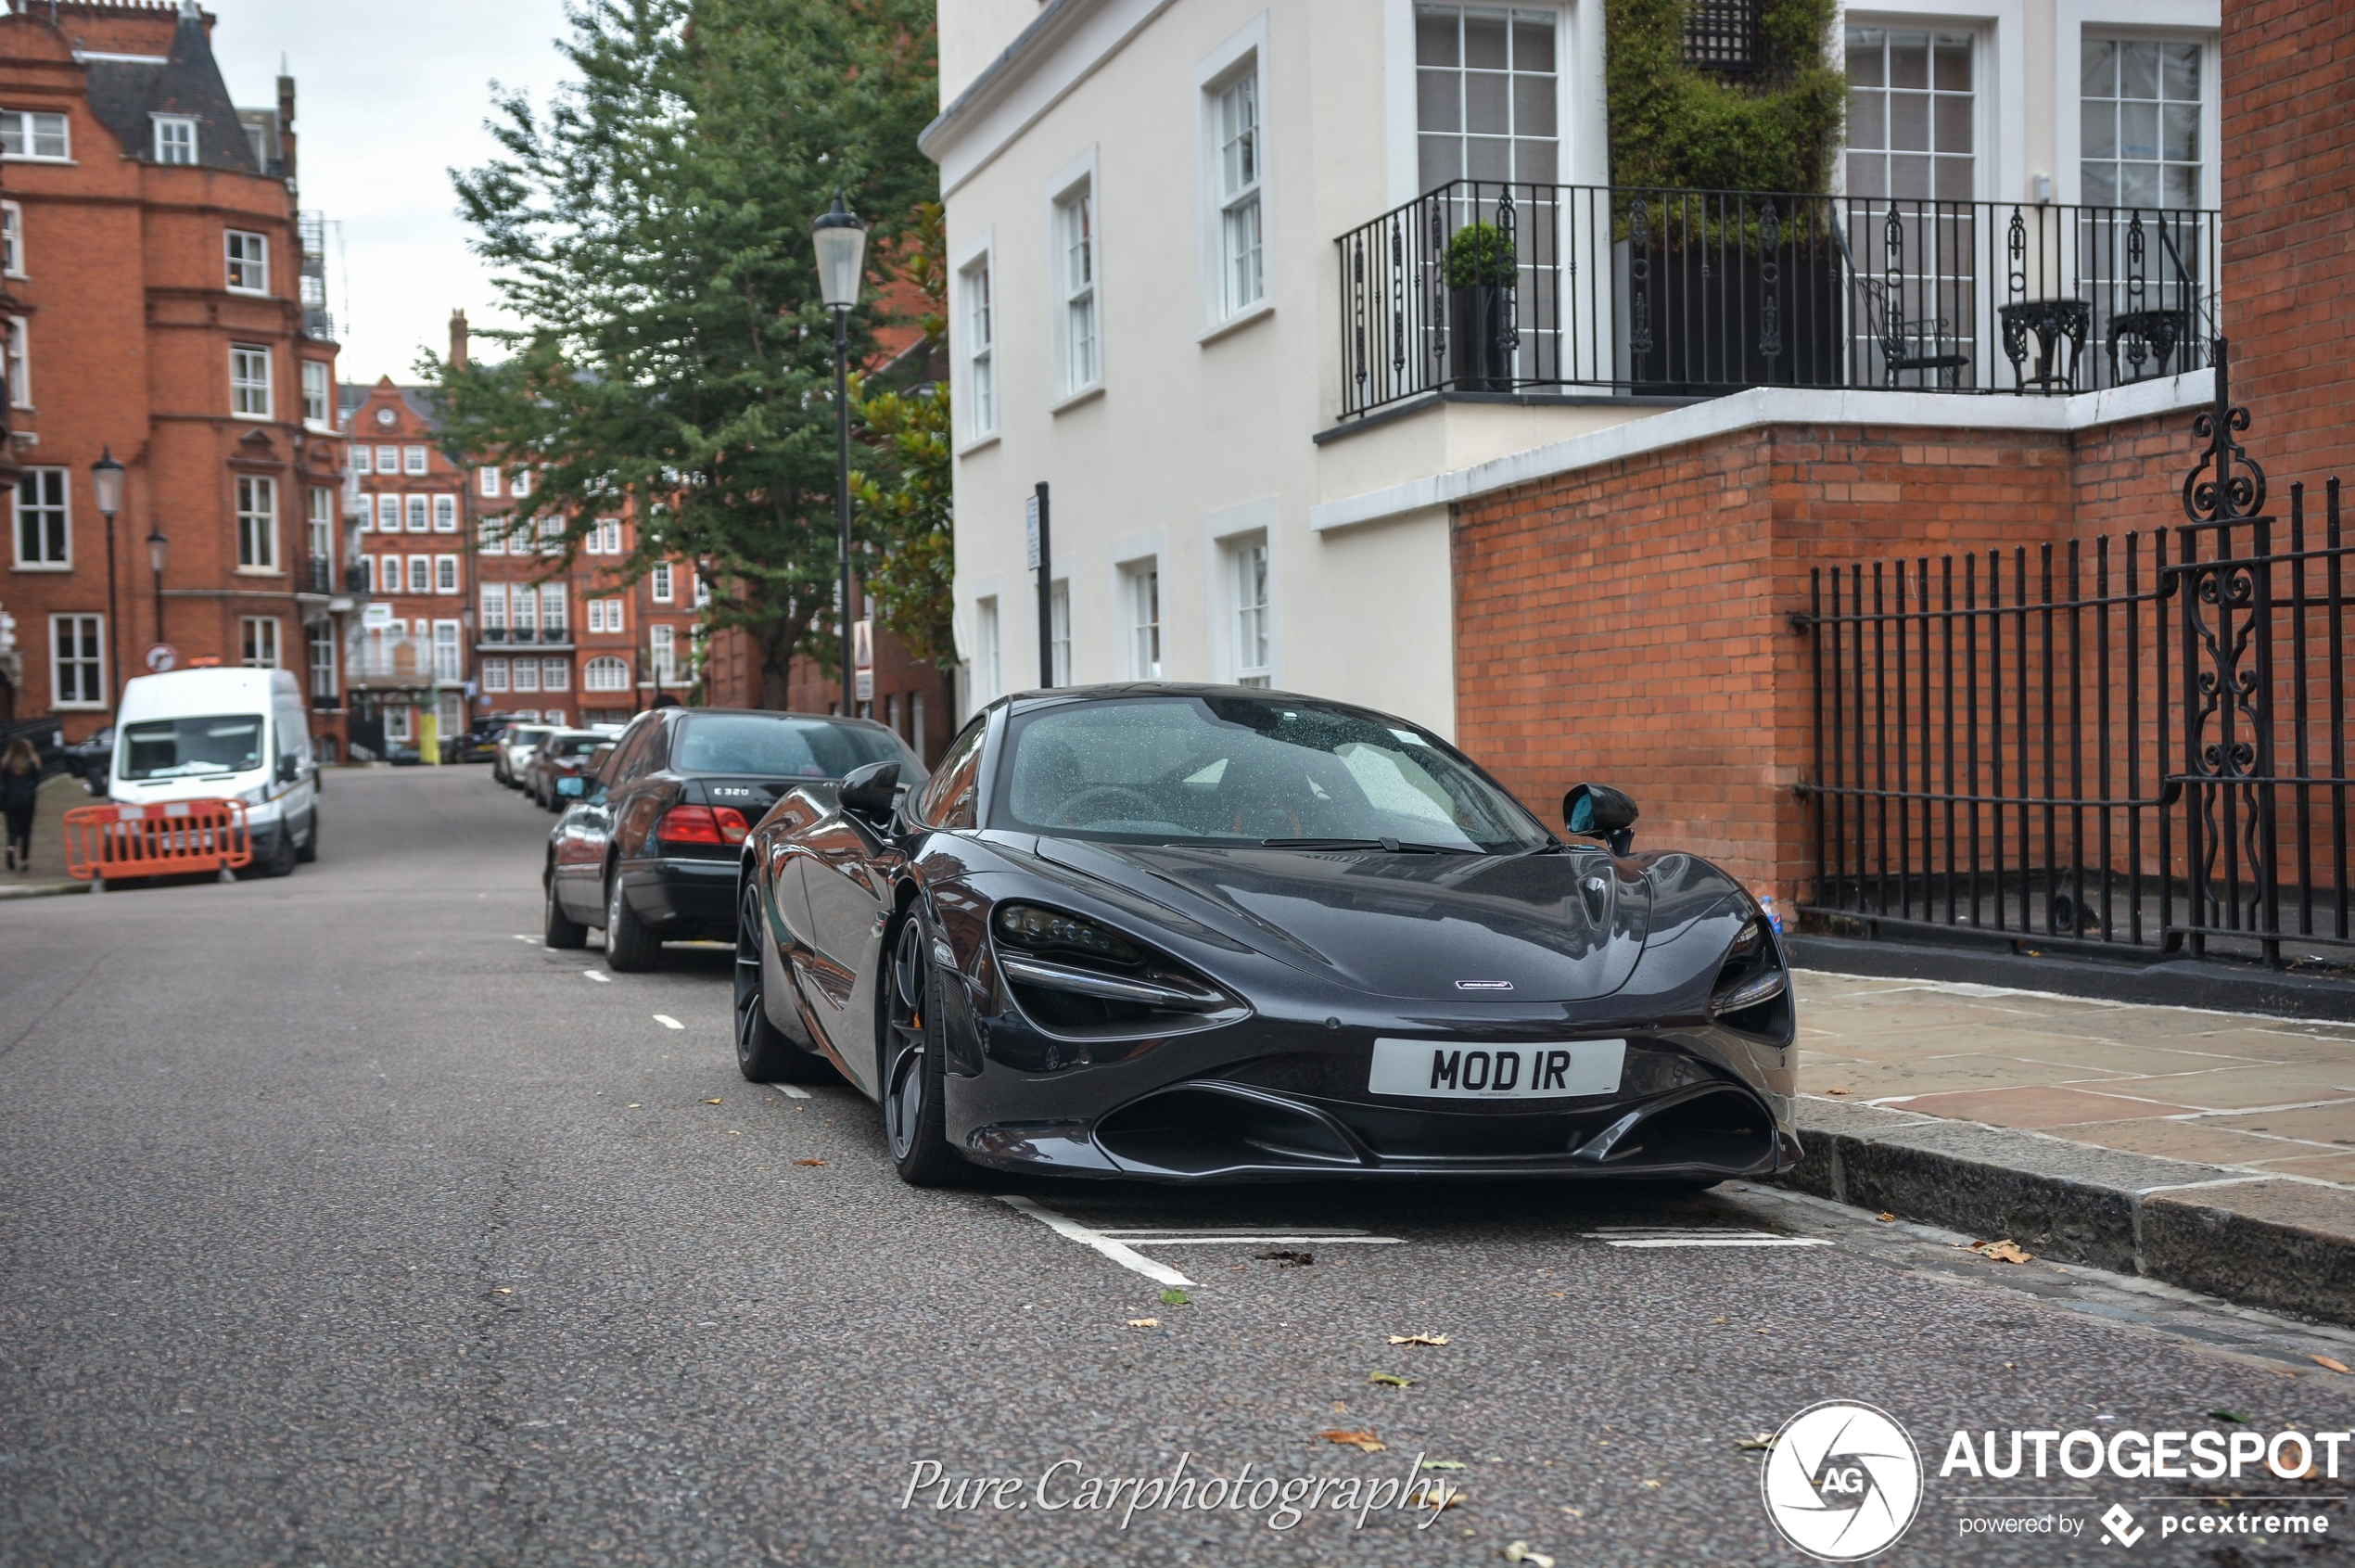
(848, 892)
(581, 841)
(295, 775)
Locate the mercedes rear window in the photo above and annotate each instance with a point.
(781, 747)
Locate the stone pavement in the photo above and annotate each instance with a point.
(2273, 1096)
(47, 872)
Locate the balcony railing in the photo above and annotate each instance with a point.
(1681, 293)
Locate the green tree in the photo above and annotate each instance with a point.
(902, 490)
(649, 227)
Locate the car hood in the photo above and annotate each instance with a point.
(1562, 926)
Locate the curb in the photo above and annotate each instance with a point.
(49, 889)
(2212, 986)
(2268, 1242)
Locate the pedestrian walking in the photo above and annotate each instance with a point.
(20, 792)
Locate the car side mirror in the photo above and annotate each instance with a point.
(871, 791)
(1599, 811)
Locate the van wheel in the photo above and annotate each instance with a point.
(307, 850)
(629, 947)
(282, 854)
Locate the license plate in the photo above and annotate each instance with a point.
(1430, 1069)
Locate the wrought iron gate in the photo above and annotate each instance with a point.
(2142, 743)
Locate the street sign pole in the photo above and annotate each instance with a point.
(1042, 561)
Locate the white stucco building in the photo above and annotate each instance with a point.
(1151, 313)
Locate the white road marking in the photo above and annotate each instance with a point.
(1242, 1235)
(521, 938)
(788, 1090)
(601, 979)
(1690, 1236)
(1095, 1241)
(668, 1022)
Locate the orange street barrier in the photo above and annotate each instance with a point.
(114, 842)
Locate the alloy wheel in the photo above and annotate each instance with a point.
(748, 1001)
(904, 1074)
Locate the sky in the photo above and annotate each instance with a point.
(391, 95)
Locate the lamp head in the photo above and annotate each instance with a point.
(106, 480)
(157, 547)
(840, 236)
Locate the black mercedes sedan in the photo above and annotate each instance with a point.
(650, 853)
(1199, 934)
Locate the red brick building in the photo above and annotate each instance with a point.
(168, 308)
(408, 657)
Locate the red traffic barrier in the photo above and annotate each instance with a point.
(172, 839)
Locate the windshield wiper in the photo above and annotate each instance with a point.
(1395, 845)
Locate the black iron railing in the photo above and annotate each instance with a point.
(1700, 293)
(2140, 744)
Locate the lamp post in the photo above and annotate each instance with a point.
(841, 239)
(106, 485)
(157, 545)
(466, 655)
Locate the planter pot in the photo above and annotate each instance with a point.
(1477, 358)
(1707, 310)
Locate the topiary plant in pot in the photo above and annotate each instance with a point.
(1480, 268)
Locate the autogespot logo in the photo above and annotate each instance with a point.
(1842, 1481)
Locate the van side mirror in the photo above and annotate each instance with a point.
(1595, 811)
(871, 791)
(290, 767)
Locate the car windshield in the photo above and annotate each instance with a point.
(783, 747)
(572, 746)
(172, 749)
(1248, 770)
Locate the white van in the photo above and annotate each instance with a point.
(214, 735)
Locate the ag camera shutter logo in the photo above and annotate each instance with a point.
(1842, 1481)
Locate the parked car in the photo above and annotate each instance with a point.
(89, 759)
(1203, 933)
(651, 854)
(480, 742)
(202, 734)
(560, 755)
(517, 742)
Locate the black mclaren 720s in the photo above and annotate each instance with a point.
(1215, 934)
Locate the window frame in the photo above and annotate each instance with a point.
(318, 402)
(1241, 58)
(446, 577)
(445, 513)
(989, 650)
(62, 521)
(449, 652)
(249, 268)
(487, 483)
(1076, 198)
(257, 525)
(974, 328)
(159, 148)
(253, 632)
(94, 638)
(318, 638)
(1239, 551)
(416, 514)
(1984, 91)
(12, 239)
(20, 351)
(2165, 22)
(319, 516)
(660, 583)
(242, 387)
(1145, 619)
(27, 136)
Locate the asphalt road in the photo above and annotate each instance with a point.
(340, 1224)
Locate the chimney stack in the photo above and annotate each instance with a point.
(287, 118)
(457, 339)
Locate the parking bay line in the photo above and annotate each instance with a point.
(1119, 1242)
(1095, 1239)
(601, 978)
(668, 1022)
(1655, 1236)
(792, 1092)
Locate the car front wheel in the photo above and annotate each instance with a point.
(914, 1076)
(764, 1054)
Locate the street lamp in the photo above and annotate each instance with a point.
(467, 652)
(841, 238)
(157, 547)
(105, 484)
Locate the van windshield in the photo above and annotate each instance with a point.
(172, 749)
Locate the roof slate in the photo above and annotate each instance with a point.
(125, 94)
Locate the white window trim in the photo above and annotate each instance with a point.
(1581, 104)
(414, 460)
(1138, 549)
(155, 140)
(1243, 53)
(979, 255)
(2174, 20)
(1999, 83)
(269, 383)
(275, 565)
(967, 628)
(324, 374)
(18, 350)
(1079, 173)
(106, 676)
(1221, 529)
(16, 526)
(67, 157)
(226, 235)
(16, 209)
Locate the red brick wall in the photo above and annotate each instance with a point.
(1631, 622)
(2289, 252)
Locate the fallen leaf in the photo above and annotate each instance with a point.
(715, 1100)
(634, 1105)
(1566, 1292)
(1364, 1442)
(734, 1133)
(1443, 1464)
(502, 1289)
(1339, 1408)
(1752, 1445)
(2229, 1415)
(1835, 1091)
(1653, 1484)
(809, 1162)
(2004, 1251)
(1418, 1339)
(1176, 1298)
(1144, 1322)
(1289, 1258)
(1390, 1380)
(1574, 1513)
(1519, 1551)
(1885, 1218)
(2332, 1362)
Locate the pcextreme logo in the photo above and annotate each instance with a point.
(1842, 1481)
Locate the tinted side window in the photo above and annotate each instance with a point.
(949, 800)
(628, 760)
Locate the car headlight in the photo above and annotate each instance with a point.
(256, 796)
(1751, 981)
(1046, 931)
